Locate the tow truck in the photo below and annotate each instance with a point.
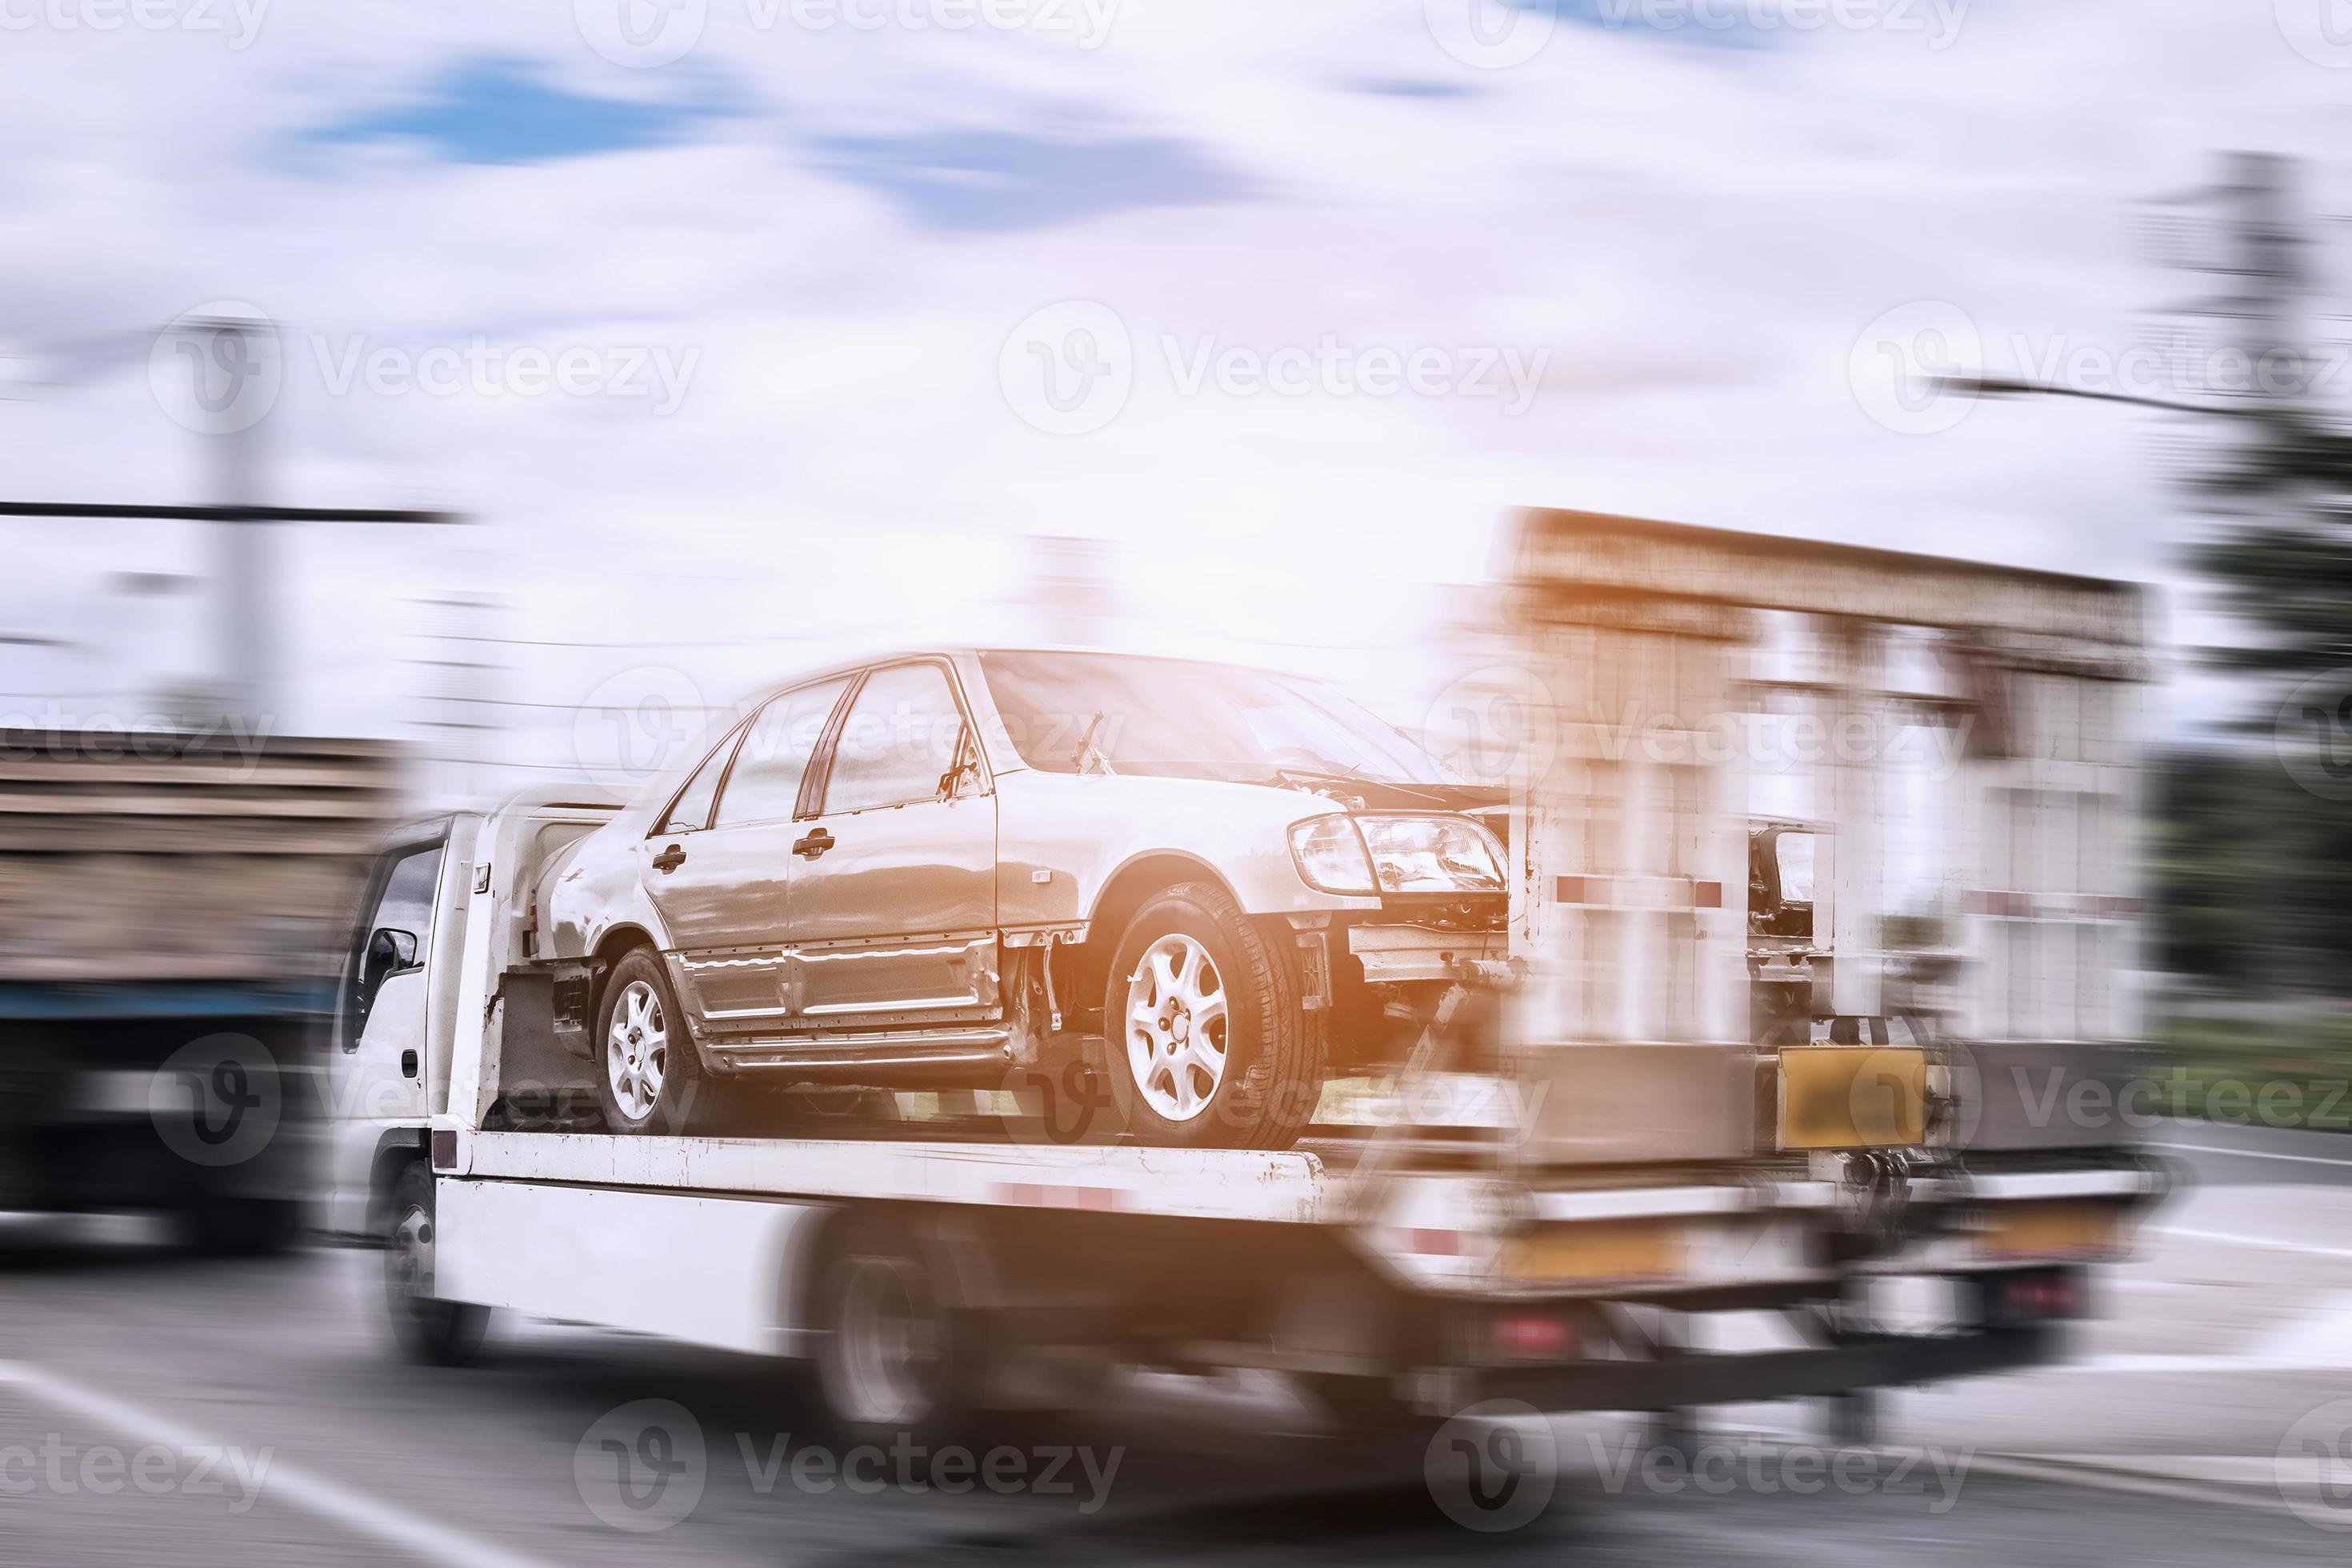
(1547, 1220)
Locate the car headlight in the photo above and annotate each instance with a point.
(1368, 855)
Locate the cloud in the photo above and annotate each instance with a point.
(502, 109)
(1697, 237)
(998, 180)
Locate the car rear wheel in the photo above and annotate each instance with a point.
(1205, 1042)
(648, 1078)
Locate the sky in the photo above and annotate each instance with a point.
(747, 331)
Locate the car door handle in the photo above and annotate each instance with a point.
(812, 845)
(669, 860)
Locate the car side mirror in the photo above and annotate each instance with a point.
(960, 780)
(390, 950)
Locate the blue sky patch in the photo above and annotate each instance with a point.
(997, 180)
(496, 110)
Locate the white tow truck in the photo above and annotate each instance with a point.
(1546, 1228)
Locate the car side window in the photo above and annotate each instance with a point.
(766, 782)
(898, 741)
(405, 899)
(690, 813)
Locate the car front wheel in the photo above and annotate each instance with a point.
(648, 1078)
(1206, 1042)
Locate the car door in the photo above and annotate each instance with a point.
(894, 876)
(717, 864)
(382, 1017)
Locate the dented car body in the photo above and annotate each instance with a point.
(1214, 885)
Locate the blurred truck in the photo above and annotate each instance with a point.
(171, 913)
(1586, 1164)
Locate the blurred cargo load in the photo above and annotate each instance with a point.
(171, 914)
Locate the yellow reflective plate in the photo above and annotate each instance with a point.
(2014, 1231)
(1853, 1096)
(1637, 1251)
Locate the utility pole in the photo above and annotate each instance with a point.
(245, 602)
(235, 375)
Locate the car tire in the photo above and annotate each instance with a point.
(1206, 1043)
(427, 1328)
(649, 1077)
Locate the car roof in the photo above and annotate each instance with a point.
(970, 650)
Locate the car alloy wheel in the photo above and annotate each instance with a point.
(636, 1050)
(1177, 1023)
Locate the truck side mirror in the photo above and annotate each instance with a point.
(389, 949)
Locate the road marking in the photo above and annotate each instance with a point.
(2074, 1473)
(2253, 1153)
(2088, 1472)
(2272, 1242)
(405, 1532)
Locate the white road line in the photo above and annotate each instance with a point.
(418, 1537)
(2075, 1473)
(2272, 1242)
(2253, 1153)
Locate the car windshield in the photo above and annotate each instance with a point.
(1178, 718)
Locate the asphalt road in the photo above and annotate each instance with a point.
(161, 1408)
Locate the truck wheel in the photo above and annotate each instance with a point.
(895, 1356)
(648, 1078)
(1206, 1043)
(427, 1328)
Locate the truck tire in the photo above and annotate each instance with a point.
(427, 1328)
(649, 1077)
(1205, 1042)
(896, 1354)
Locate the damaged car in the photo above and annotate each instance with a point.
(1208, 887)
